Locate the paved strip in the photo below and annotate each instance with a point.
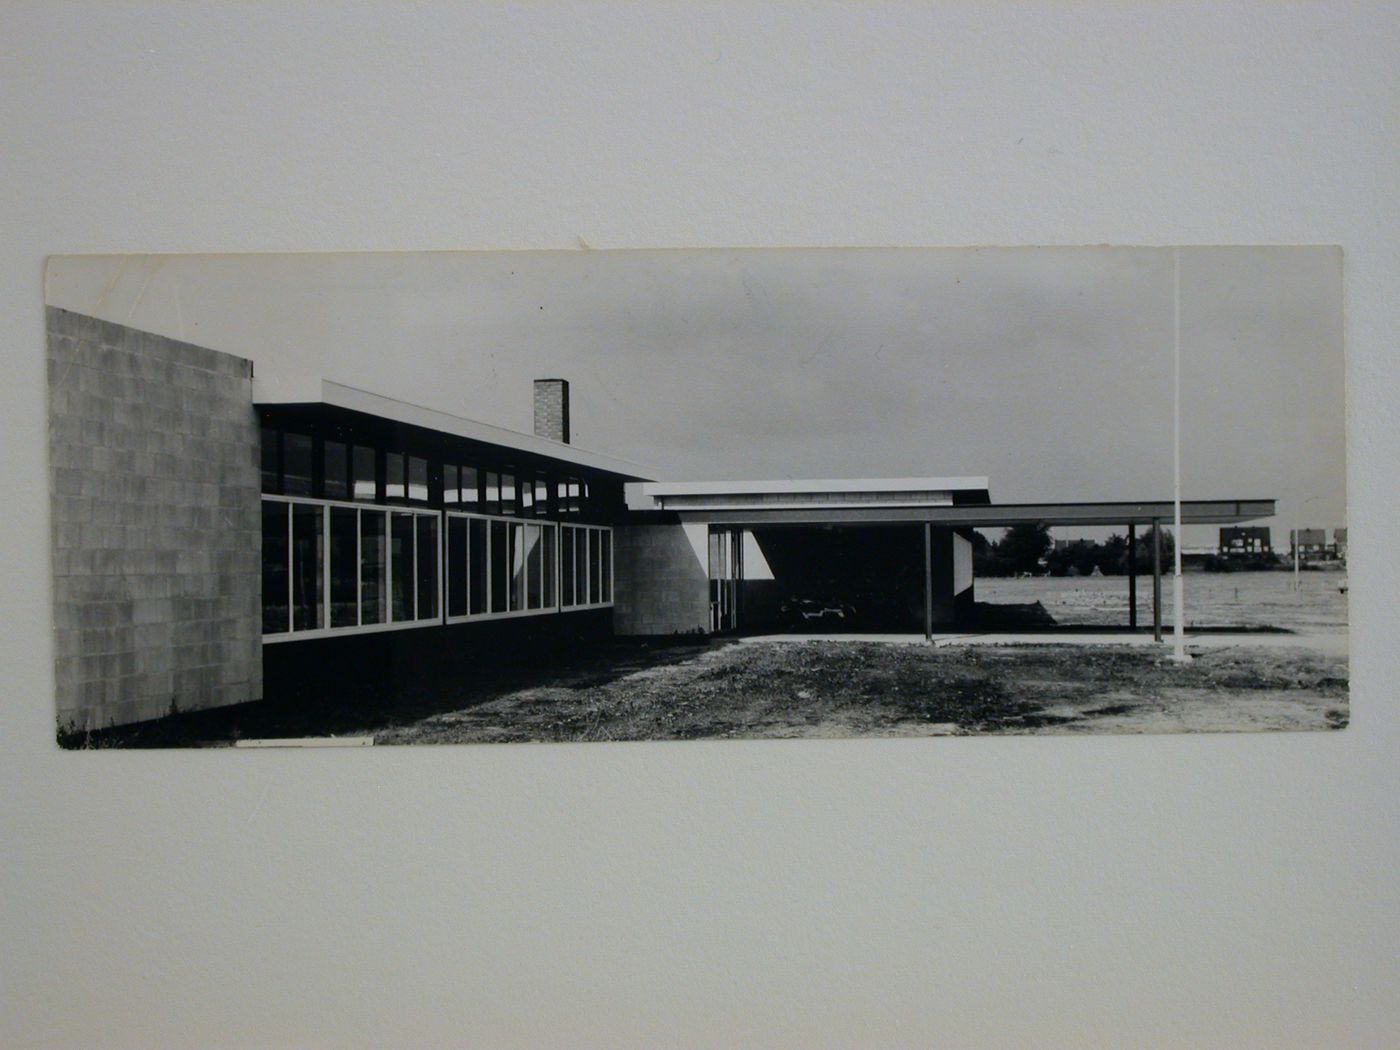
(1335, 642)
(308, 741)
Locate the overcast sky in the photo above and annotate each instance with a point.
(1047, 370)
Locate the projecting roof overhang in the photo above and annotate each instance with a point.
(791, 494)
(1193, 512)
(314, 390)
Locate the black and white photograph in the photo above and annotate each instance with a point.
(888, 512)
(478, 497)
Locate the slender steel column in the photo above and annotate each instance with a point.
(1157, 579)
(1132, 577)
(928, 582)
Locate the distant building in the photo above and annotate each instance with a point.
(1244, 540)
(1308, 544)
(1339, 542)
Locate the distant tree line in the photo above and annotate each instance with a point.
(1028, 549)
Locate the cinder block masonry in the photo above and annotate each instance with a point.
(662, 579)
(153, 462)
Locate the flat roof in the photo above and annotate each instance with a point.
(316, 390)
(816, 486)
(808, 493)
(994, 515)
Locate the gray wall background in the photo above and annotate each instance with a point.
(153, 461)
(1163, 891)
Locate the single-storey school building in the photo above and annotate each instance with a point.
(220, 536)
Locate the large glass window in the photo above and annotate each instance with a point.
(394, 487)
(336, 567)
(402, 570)
(373, 564)
(335, 478)
(451, 489)
(495, 567)
(418, 479)
(595, 561)
(534, 567)
(269, 460)
(493, 492)
(585, 565)
(426, 554)
(307, 559)
(476, 575)
(500, 567)
(458, 564)
(296, 464)
(580, 566)
(605, 564)
(344, 566)
(366, 487)
(517, 565)
(548, 561)
(507, 493)
(469, 487)
(566, 565)
(276, 567)
(527, 496)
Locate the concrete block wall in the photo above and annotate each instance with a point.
(156, 536)
(946, 606)
(962, 564)
(661, 580)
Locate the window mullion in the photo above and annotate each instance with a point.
(325, 560)
(413, 530)
(291, 570)
(389, 567)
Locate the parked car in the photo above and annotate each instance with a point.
(816, 612)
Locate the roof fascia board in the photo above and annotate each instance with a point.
(1194, 512)
(301, 390)
(810, 485)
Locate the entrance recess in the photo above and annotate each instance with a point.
(898, 544)
(726, 578)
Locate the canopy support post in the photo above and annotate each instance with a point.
(928, 582)
(1156, 579)
(1132, 577)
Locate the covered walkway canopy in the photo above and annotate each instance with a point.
(994, 515)
(930, 502)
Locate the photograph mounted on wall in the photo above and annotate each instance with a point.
(470, 497)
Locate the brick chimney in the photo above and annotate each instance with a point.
(552, 409)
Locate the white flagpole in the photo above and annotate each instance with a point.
(1178, 599)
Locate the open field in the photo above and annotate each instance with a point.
(851, 688)
(1231, 599)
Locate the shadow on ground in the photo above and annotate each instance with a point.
(354, 708)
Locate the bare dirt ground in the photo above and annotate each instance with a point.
(847, 687)
(853, 688)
